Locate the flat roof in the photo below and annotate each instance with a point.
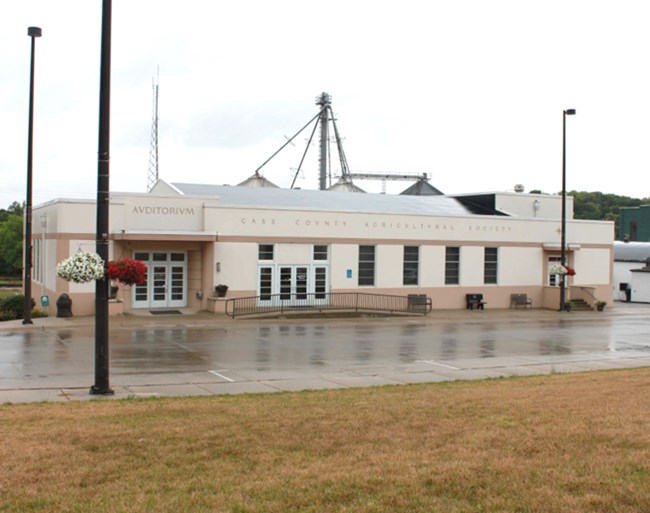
(631, 251)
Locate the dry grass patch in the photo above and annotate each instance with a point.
(560, 443)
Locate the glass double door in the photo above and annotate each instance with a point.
(166, 284)
(292, 284)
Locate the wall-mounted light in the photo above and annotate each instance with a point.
(218, 267)
(535, 207)
(199, 294)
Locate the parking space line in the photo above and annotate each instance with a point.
(431, 362)
(221, 376)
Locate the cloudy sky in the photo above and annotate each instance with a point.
(468, 91)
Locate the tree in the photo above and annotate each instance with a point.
(11, 245)
(14, 208)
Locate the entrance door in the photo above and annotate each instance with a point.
(159, 284)
(166, 285)
(293, 284)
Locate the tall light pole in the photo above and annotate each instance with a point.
(32, 32)
(565, 113)
(101, 385)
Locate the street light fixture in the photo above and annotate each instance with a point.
(565, 113)
(32, 32)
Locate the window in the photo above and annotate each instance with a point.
(411, 265)
(452, 265)
(490, 265)
(366, 265)
(554, 280)
(265, 252)
(633, 231)
(320, 282)
(266, 283)
(320, 252)
(37, 268)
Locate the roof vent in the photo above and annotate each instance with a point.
(519, 188)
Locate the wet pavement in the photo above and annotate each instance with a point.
(203, 354)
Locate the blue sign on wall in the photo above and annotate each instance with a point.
(348, 273)
(45, 301)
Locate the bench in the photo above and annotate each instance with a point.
(517, 300)
(474, 300)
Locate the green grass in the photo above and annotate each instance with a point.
(15, 282)
(560, 443)
(8, 292)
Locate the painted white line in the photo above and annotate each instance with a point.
(440, 364)
(221, 376)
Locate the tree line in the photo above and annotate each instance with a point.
(11, 240)
(597, 205)
(586, 205)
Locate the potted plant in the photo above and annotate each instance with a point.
(567, 306)
(600, 305)
(220, 290)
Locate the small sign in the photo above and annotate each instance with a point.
(348, 273)
(45, 301)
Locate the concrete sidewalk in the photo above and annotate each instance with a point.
(200, 353)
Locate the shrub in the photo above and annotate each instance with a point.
(8, 316)
(11, 307)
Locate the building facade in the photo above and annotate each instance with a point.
(632, 271)
(265, 241)
(634, 223)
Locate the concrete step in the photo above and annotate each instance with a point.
(580, 305)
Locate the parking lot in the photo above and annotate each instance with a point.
(203, 354)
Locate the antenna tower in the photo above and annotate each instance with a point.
(152, 176)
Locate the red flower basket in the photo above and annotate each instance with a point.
(127, 271)
(570, 270)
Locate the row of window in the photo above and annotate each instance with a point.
(265, 252)
(410, 265)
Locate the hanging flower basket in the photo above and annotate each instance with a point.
(127, 271)
(557, 269)
(561, 269)
(81, 267)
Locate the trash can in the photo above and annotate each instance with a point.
(64, 306)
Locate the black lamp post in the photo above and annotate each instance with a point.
(101, 385)
(565, 113)
(32, 32)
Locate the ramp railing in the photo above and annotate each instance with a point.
(333, 301)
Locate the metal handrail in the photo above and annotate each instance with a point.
(321, 301)
(588, 292)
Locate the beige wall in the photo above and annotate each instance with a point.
(523, 205)
(341, 258)
(592, 266)
(521, 243)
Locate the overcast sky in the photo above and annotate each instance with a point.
(470, 92)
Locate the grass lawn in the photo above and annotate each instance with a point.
(558, 443)
(9, 292)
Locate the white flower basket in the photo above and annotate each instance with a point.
(557, 269)
(81, 268)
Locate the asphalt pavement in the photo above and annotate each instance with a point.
(204, 353)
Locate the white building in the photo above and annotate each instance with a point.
(261, 241)
(631, 271)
